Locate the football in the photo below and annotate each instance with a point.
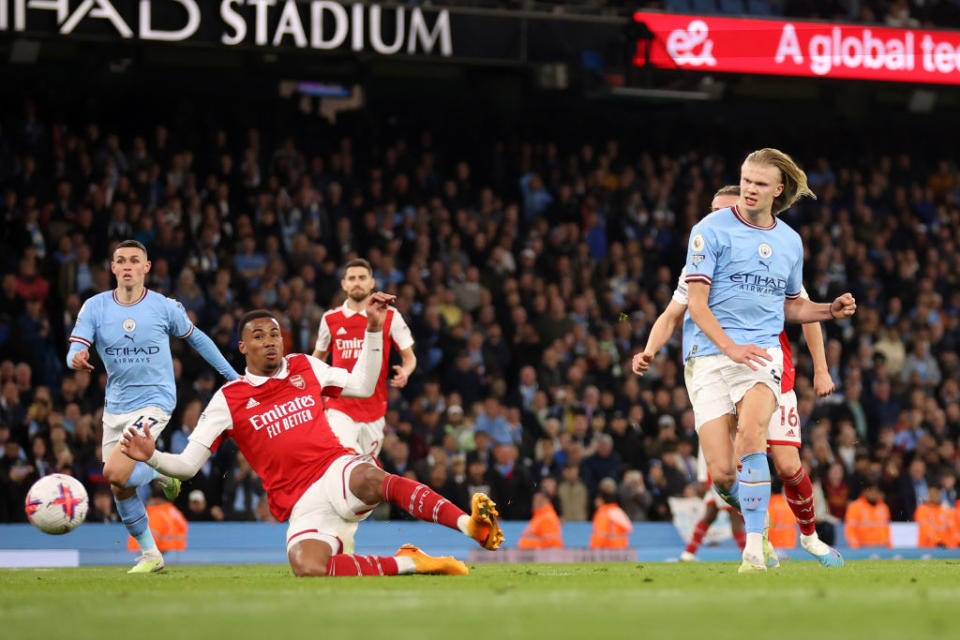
(56, 504)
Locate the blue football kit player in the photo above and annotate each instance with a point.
(783, 441)
(744, 272)
(130, 327)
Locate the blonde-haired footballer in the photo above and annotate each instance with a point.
(783, 436)
(744, 273)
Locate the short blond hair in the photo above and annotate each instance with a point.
(794, 178)
(728, 190)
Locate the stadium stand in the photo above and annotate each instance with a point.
(529, 268)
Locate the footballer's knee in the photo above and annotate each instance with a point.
(309, 559)
(311, 569)
(117, 475)
(366, 482)
(722, 474)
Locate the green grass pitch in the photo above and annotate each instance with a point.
(864, 600)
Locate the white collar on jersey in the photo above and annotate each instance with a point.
(256, 380)
(349, 313)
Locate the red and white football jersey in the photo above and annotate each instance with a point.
(789, 371)
(341, 334)
(279, 426)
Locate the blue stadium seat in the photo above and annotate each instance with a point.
(733, 7)
(706, 7)
(678, 6)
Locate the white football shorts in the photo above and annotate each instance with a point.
(715, 383)
(328, 510)
(366, 438)
(114, 424)
(785, 422)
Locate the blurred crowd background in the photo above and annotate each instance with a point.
(529, 267)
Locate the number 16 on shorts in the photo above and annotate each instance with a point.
(784, 427)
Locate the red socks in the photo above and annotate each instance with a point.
(799, 493)
(416, 498)
(420, 501)
(740, 537)
(349, 564)
(697, 538)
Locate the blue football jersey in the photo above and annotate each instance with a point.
(134, 343)
(751, 271)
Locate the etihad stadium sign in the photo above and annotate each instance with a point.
(320, 25)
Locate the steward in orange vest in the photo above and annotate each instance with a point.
(611, 524)
(543, 531)
(167, 524)
(867, 522)
(936, 525)
(783, 524)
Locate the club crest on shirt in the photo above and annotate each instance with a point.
(297, 381)
(764, 250)
(698, 243)
(129, 325)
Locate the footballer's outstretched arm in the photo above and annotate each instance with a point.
(664, 327)
(800, 310)
(214, 421)
(362, 381)
(813, 334)
(404, 370)
(208, 350)
(82, 337)
(182, 465)
(181, 326)
(822, 381)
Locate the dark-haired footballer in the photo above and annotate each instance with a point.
(275, 416)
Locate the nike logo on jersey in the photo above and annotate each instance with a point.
(341, 331)
(251, 403)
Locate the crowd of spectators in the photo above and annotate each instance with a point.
(528, 281)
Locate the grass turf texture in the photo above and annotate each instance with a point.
(870, 599)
